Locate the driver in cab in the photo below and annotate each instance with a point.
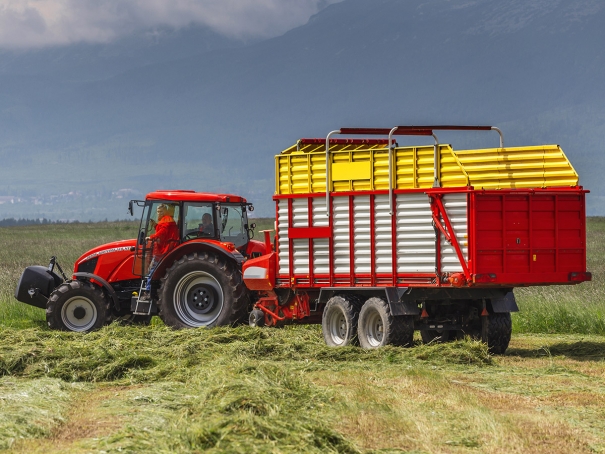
(165, 238)
(166, 234)
(206, 227)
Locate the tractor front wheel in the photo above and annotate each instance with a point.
(202, 289)
(77, 306)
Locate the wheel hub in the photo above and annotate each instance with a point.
(79, 312)
(198, 298)
(201, 299)
(375, 330)
(338, 326)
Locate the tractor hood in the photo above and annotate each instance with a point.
(109, 248)
(107, 255)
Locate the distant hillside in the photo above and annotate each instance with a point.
(214, 120)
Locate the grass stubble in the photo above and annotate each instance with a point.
(151, 389)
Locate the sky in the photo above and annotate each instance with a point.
(26, 24)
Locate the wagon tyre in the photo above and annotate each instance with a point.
(202, 289)
(496, 332)
(377, 327)
(339, 320)
(77, 306)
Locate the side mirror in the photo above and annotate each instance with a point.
(130, 207)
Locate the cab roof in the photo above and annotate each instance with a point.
(178, 195)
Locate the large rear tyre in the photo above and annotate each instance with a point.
(77, 306)
(202, 289)
(339, 320)
(377, 327)
(496, 332)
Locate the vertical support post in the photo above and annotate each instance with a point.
(557, 224)
(394, 243)
(290, 243)
(391, 169)
(530, 232)
(352, 239)
(336, 131)
(331, 242)
(373, 240)
(311, 241)
(437, 164)
(504, 248)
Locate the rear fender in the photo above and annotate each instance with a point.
(196, 246)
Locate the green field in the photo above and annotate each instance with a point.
(151, 389)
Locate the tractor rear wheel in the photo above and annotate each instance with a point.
(77, 306)
(377, 327)
(339, 320)
(202, 289)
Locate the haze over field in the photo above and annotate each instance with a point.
(103, 101)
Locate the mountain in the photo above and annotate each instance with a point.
(213, 120)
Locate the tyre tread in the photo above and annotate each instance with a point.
(240, 295)
(53, 316)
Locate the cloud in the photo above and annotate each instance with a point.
(41, 23)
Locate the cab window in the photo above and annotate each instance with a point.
(199, 221)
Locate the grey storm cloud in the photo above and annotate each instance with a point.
(41, 23)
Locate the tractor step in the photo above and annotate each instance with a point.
(145, 307)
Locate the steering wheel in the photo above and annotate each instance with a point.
(193, 235)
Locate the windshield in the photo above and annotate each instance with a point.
(233, 222)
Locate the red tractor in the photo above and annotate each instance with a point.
(198, 282)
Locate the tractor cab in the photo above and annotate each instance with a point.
(199, 217)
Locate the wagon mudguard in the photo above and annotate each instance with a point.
(393, 296)
(405, 301)
(505, 303)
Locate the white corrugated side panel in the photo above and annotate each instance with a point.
(300, 218)
(321, 246)
(282, 232)
(384, 234)
(455, 207)
(342, 246)
(361, 234)
(415, 234)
